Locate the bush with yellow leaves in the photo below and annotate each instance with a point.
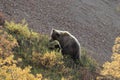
(10, 71)
(7, 43)
(8, 66)
(111, 69)
(48, 59)
(116, 47)
(16, 28)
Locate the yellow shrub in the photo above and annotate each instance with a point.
(9, 71)
(7, 43)
(117, 40)
(116, 47)
(20, 28)
(48, 59)
(113, 68)
(8, 67)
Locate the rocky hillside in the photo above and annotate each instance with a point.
(94, 22)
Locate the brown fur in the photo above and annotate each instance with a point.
(69, 44)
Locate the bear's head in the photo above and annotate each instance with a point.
(58, 34)
(55, 34)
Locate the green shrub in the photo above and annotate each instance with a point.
(28, 40)
(87, 61)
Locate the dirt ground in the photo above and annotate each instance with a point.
(95, 23)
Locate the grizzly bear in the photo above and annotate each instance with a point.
(69, 44)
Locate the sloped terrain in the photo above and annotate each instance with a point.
(95, 23)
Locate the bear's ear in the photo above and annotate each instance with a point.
(53, 30)
(56, 32)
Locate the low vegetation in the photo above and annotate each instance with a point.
(8, 65)
(25, 52)
(111, 70)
